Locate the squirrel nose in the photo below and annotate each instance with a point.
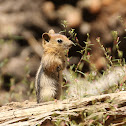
(71, 44)
(68, 44)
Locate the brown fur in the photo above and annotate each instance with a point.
(49, 75)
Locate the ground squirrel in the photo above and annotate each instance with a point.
(49, 75)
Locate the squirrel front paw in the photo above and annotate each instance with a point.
(59, 68)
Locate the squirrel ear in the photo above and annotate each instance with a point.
(46, 37)
(51, 31)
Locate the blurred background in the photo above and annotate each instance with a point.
(22, 23)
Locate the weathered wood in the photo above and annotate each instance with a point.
(112, 105)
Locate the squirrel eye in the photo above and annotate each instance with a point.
(59, 40)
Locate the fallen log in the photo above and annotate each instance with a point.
(105, 109)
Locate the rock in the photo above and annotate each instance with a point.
(21, 66)
(71, 14)
(8, 49)
(48, 9)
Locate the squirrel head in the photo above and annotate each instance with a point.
(53, 39)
